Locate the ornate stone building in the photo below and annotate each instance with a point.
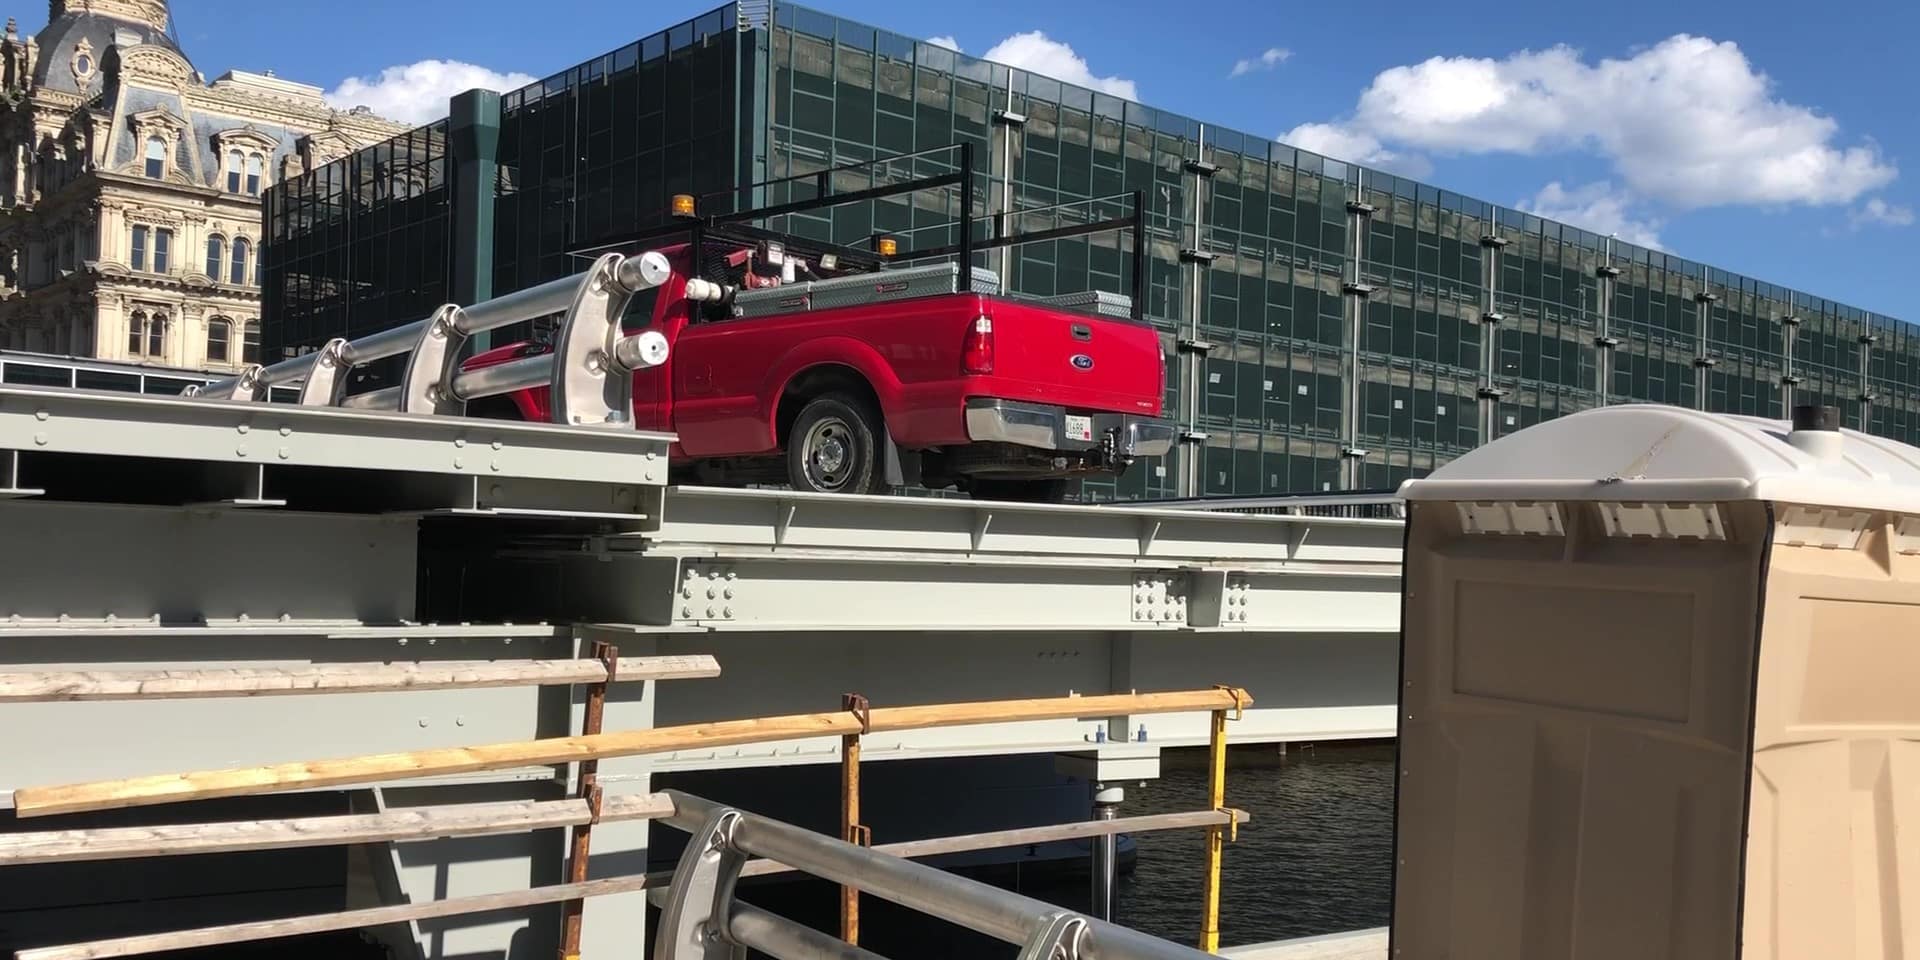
(130, 187)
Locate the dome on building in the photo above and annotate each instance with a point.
(81, 31)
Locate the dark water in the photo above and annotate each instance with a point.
(1316, 858)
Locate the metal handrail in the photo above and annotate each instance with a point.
(588, 371)
(1362, 504)
(700, 910)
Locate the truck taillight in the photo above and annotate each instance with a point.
(976, 351)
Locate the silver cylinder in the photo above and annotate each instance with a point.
(1105, 852)
(554, 296)
(648, 348)
(288, 370)
(387, 398)
(502, 378)
(644, 272)
(391, 342)
(776, 936)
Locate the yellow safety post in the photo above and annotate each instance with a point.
(1217, 833)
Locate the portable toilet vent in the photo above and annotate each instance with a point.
(1661, 694)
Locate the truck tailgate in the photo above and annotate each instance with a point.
(1074, 359)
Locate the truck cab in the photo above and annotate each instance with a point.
(841, 370)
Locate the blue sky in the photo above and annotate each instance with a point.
(1776, 139)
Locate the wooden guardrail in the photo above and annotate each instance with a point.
(387, 767)
(580, 812)
(210, 683)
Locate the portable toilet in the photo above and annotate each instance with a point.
(1660, 692)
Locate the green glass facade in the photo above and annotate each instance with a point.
(1327, 326)
(358, 244)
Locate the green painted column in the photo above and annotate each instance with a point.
(473, 142)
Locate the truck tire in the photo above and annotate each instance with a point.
(1053, 490)
(834, 446)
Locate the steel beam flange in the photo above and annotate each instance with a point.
(693, 921)
(1062, 936)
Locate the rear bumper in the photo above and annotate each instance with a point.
(1044, 426)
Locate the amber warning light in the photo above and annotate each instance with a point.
(888, 246)
(683, 205)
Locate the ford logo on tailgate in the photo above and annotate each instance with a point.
(1082, 362)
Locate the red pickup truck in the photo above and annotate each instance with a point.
(852, 380)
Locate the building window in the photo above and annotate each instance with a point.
(156, 158)
(234, 162)
(255, 166)
(240, 249)
(162, 249)
(216, 255)
(139, 258)
(146, 335)
(219, 335)
(250, 342)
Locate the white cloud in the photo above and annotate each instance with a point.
(1274, 57)
(1595, 207)
(949, 42)
(1878, 212)
(1039, 53)
(1355, 146)
(418, 92)
(1687, 121)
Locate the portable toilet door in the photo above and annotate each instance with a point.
(1661, 693)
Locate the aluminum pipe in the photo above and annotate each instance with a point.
(971, 904)
(776, 936)
(521, 374)
(391, 342)
(386, 398)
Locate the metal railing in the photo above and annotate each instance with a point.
(588, 371)
(1371, 505)
(701, 920)
(84, 373)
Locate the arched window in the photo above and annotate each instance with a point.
(145, 335)
(241, 247)
(234, 162)
(255, 167)
(156, 158)
(250, 342)
(219, 339)
(216, 255)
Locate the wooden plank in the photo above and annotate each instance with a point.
(399, 825)
(329, 922)
(337, 678)
(387, 767)
(498, 902)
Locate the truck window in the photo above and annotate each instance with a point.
(639, 315)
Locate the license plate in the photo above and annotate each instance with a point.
(1079, 428)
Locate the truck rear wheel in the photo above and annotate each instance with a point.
(834, 446)
(1051, 490)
